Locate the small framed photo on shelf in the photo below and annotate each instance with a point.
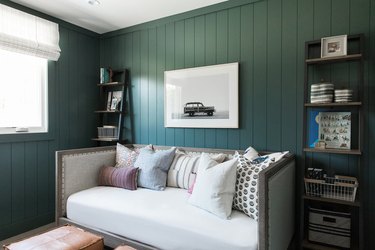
(334, 46)
(116, 100)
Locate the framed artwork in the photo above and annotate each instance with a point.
(335, 129)
(334, 46)
(202, 97)
(116, 100)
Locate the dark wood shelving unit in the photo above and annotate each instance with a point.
(334, 151)
(334, 59)
(110, 84)
(313, 63)
(334, 104)
(334, 201)
(112, 118)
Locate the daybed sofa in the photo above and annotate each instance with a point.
(148, 219)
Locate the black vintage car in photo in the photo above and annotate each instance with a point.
(193, 108)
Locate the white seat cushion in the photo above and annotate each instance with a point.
(163, 219)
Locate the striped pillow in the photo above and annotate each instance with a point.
(183, 170)
(118, 177)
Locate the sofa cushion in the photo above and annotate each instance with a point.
(163, 220)
(184, 167)
(214, 186)
(153, 167)
(118, 177)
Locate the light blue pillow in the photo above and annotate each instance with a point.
(153, 167)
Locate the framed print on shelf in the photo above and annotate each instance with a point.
(334, 46)
(202, 97)
(116, 100)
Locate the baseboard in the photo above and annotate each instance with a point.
(28, 234)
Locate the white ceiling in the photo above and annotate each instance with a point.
(113, 14)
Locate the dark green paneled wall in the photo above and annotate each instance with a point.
(27, 162)
(267, 38)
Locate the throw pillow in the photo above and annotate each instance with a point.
(214, 186)
(153, 167)
(182, 171)
(246, 196)
(126, 157)
(118, 177)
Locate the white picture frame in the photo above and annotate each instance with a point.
(215, 87)
(334, 46)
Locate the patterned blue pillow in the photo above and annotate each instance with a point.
(153, 167)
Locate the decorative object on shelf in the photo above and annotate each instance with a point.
(322, 92)
(106, 75)
(116, 100)
(330, 227)
(338, 187)
(334, 46)
(107, 131)
(202, 97)
(335, 129)
(343, 95)
(320, 145)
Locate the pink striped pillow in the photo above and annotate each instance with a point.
(118, 177)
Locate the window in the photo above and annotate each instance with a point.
(23, 93)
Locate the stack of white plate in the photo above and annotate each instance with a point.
(343, 95)
(321, 93)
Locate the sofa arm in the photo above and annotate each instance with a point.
(78, 169)
(276, 189)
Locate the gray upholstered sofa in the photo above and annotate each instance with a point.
(77, 171)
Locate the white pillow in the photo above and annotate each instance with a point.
(214, 186)
(184, 167)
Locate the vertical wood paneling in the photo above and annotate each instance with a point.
(18, 182)
(274, 72)
(152, 87)
(73, 95)
(289, 77)
(160, 33)
(144, 91)
(246, 65)
(42, 175)
(5, 184)
(260, 76)
(31, 179)
(136, 82)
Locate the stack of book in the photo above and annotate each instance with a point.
(343, 95)
(107, 131)
(321, 93)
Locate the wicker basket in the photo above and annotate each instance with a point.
(338, 187)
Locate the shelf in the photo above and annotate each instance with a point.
(334, 59)
(355, 203)
(109, 111)
(334, 104)
(105, 139)
(108, 84)
(309, 245)
(334, 151)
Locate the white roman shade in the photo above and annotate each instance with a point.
(28, 34)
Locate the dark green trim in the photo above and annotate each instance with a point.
(170, 19)
(50, 18)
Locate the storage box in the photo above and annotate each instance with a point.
(329, 227)
(62, 238)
